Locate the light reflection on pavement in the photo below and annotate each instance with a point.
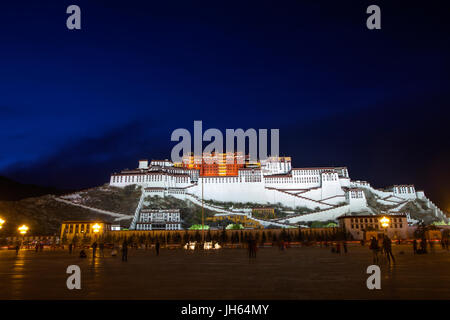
(296, 273)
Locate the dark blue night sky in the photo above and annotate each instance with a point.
(77, 105)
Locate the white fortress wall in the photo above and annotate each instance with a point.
(150, 179)
(314, 193)
(379, 193)
(275, 182)
(335, 200)
(404, 191)
(331, 185)
(388, 202)
(289, 183)
(223, 190)
(421, 195)
(230, 189)
(324, 215)
(293, 201)
(356, 199)
(344, 181)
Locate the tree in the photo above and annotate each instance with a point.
(234, 237)
(283, 235)
(299, 235)
(288, 236)
(75, 239)
(274, 237)
(64, 239)
(177, 237)
(198, 237)
(186, 237)
(223, 236)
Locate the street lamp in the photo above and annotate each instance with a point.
(23, 229)
(385, 223)
(96, 227)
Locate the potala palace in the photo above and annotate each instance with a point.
(327, 191)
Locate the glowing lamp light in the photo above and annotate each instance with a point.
(23, 229)
(207, 246)
(384, 222)
(1, 222)
(96, 227)
(190, 245)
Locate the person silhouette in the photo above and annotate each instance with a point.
(125, 250)
(374, 247)
(157, 245)
(415, 246)
(102, 249)
(387, 245)
(94, 248)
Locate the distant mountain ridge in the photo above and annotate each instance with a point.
(11, 190)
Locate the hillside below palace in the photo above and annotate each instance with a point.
(328, 191)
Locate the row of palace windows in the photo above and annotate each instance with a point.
(279, 180)
(372, 220)
(77, 228)
(146, 178)
(167, 217)
(375, 226)
(356, 194)
(307, 180)
(306, 172)
(158, 226)
(330, 177)
(223, 180)
(296, 180)
(405, 190)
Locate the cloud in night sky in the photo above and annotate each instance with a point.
(76, 106)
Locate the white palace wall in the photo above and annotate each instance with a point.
(331, 185)
(301, 187)
(251, 192)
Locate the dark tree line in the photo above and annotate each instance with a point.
(221, 236)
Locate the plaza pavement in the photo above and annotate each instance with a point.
(296, 273)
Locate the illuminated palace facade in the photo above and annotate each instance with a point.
(328, 191)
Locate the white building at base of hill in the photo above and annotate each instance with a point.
(149, 219)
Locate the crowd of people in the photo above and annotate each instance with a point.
(380, 247)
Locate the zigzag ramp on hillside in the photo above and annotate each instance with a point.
(118, 216)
